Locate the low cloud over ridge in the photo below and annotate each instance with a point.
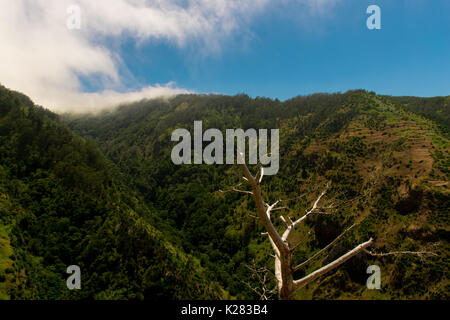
(41, 57)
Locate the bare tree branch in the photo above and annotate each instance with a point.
(261, 275)
(265, 220)
(300, 242)
(395, 253)
(332, 265)
(262, 175)
(288, 231)
(301, 265)
(281, 246)
(234, 189)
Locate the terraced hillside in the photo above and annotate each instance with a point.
(387, 164)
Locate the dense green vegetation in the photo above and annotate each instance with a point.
(101, 192)
(436, 109)
(359, 141)
(63, 203)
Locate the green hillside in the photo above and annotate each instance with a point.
(436, 109)
(387, 160)
(102, 192)
(63, 203)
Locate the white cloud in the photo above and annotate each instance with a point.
(79, 102)
(41, 57)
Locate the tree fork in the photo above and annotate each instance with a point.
(284, 270)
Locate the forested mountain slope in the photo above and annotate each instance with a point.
(436, 109)
(102, 192)
(386, 158)
(62, 203)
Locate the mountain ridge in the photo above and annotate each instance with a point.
(322, 137)
(386, 159)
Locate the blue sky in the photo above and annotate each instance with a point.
(285, 57)
(126, 50)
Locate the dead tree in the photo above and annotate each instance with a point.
(282, 247)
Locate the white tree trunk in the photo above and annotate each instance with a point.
(284, 270)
